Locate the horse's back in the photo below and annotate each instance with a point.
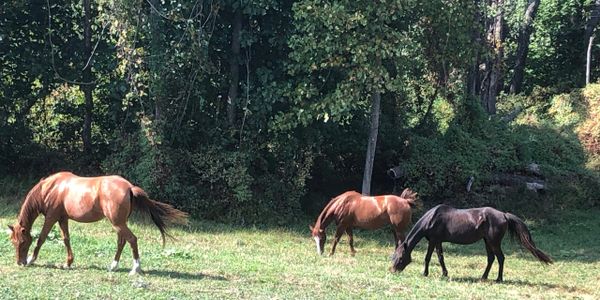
(89, 199)
(371, 212)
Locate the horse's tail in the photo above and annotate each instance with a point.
(411, 197)
(517, 228)
(162, 214)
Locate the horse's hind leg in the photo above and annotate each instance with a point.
(428, 258)
(126, 235)
(64, 230)
(490, 260)
(351, 241)
(48, 223)
(440, 254)
(120, 244)
(398, 236)
(500, 256)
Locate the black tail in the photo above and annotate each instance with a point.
(517, 228)
(162, 214)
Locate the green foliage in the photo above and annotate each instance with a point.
(307, 71)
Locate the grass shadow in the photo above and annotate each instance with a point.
(151, 272)
(523, 283)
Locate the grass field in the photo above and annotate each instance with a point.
(210, 260)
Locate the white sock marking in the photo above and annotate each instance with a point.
(317, 240)
(114, 265)
(136, 269)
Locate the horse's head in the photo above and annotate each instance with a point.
(400, 259)
(21, 239)
(320, 237)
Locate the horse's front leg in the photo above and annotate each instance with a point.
(48, 223)
(338, 234)
(428, 258)
(351, 241)
(64, 230)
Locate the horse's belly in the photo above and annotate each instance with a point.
(81, 212)
(373, 223)
(464, 239)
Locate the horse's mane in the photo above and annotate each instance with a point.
(31, 205)
(411, 197)
(335, 206)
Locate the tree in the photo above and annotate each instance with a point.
(492, 84)
(234, 62)
(523, 46)
(87, 86)
(590, 28)
(347, 56)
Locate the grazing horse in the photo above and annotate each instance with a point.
(465, 226)
(351, 209)
(63, 196)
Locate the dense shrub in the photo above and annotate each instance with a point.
(212, 182)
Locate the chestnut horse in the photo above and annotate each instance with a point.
(353, 210)
(63, 196)
(465, 226)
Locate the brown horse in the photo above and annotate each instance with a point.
(353, 210)
(63, 196)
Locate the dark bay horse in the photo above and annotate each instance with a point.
(63, 196)
(353, 210)
(465, 226)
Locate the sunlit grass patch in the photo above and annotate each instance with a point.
(210, 260)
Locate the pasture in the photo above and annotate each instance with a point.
(210, 260)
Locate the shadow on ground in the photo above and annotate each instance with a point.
(151, 272)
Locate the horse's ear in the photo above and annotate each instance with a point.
(10, 229)
(310, 227)
(321, 230)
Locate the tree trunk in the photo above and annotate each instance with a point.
(523, 47)
(492, 82)
(156, 85)
(87, 87)
(589, 59)
(592, 21)
(374, 130)
(590, 26)
(234, 68)
(473, 79)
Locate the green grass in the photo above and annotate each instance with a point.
(210, 260)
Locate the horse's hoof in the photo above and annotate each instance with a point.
(135, 272)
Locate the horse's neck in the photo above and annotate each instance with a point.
(413, 238)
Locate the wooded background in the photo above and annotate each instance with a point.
(234, 110)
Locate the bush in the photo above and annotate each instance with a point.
(212, 182)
